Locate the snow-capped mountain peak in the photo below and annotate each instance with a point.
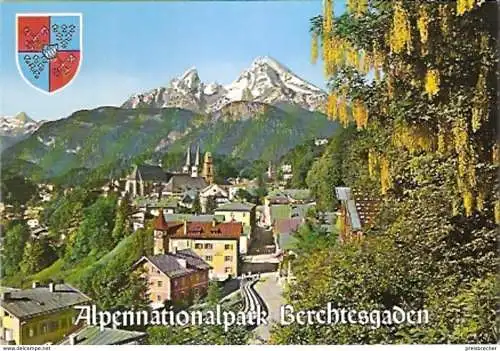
(265, 80)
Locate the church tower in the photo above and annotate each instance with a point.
(187, 166)
(196, 167)
(160, 235)
(208, 168)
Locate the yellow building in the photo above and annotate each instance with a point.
(240, 212)
(216, 243)
(40, 315)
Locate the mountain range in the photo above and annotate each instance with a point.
(16, 128)
(264, 113)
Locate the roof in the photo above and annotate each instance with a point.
(343, 193)
(179, 217)
(152, 203)
(214, 190)
(171, 265)
(289, 225)
(160, 223)
(236, 206)
(280, 212)
(278, 199)
(39, 301)
(205, 230)
(367, 207)
(295, 194)
(93, 335)
(179, 183)
(353, 215)
(150, 173)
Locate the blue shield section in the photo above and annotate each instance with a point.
(35, 69)
(65, 32)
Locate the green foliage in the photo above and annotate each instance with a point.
(196, 205)
(122, 226)
(326, 172)
(17, 190)
(301, 159)
(15, 239)
(94, 233)
(214, 293)
(38, 254)
(114, 282)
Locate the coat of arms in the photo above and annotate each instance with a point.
(49, 49)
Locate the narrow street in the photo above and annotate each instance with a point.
(271, 293)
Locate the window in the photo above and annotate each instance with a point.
(158, 297)
(228, 258)
(160, 283)
(31, 332)
(198, 246)
(209, 246)
(175, 283)
(227, 269)
(44, 328)
(208, 258)
(53, 325)
(228, 247)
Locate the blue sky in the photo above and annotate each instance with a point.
(130, 47)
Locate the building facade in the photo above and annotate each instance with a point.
(39, 315)
(216, 243)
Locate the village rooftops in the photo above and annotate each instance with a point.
(236, 206)
(93, 335)
(149, 173)
(179, 217)
(180, 183)
(177, 264)
(204, 230)
(41, 300)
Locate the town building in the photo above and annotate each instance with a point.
(218, 193)
(177, 276)
(42, 314)
(217, 243)
(145, 180)
(94, 335)
(356, 213)
(240, 212)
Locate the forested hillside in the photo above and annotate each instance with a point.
(421, 77)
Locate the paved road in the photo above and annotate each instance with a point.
(271, 293)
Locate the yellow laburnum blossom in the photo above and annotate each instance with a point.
(432, 81)
(342, 112)
(465, 5)
(495, 154)
(314, 48)
(460, 135)
(497, 212)
(362, 7)
(331, 109)
(360, 114)
(441, 140)
(480, 108)
(423, 24)
(445, 19)
(468, 199)
(480, 201)
(372, 162)
(385, 175)
(412, 138)
(400, 35)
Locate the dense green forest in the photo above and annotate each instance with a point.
(421, 79)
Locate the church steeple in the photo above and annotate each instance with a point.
(208, 169)
(187, 166)
(196, 167)
(160, 235)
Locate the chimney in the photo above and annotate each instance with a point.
(73, 339)
(6, 295)
(35, 284)
(52, 287)
(182, 262)
(185, 227)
